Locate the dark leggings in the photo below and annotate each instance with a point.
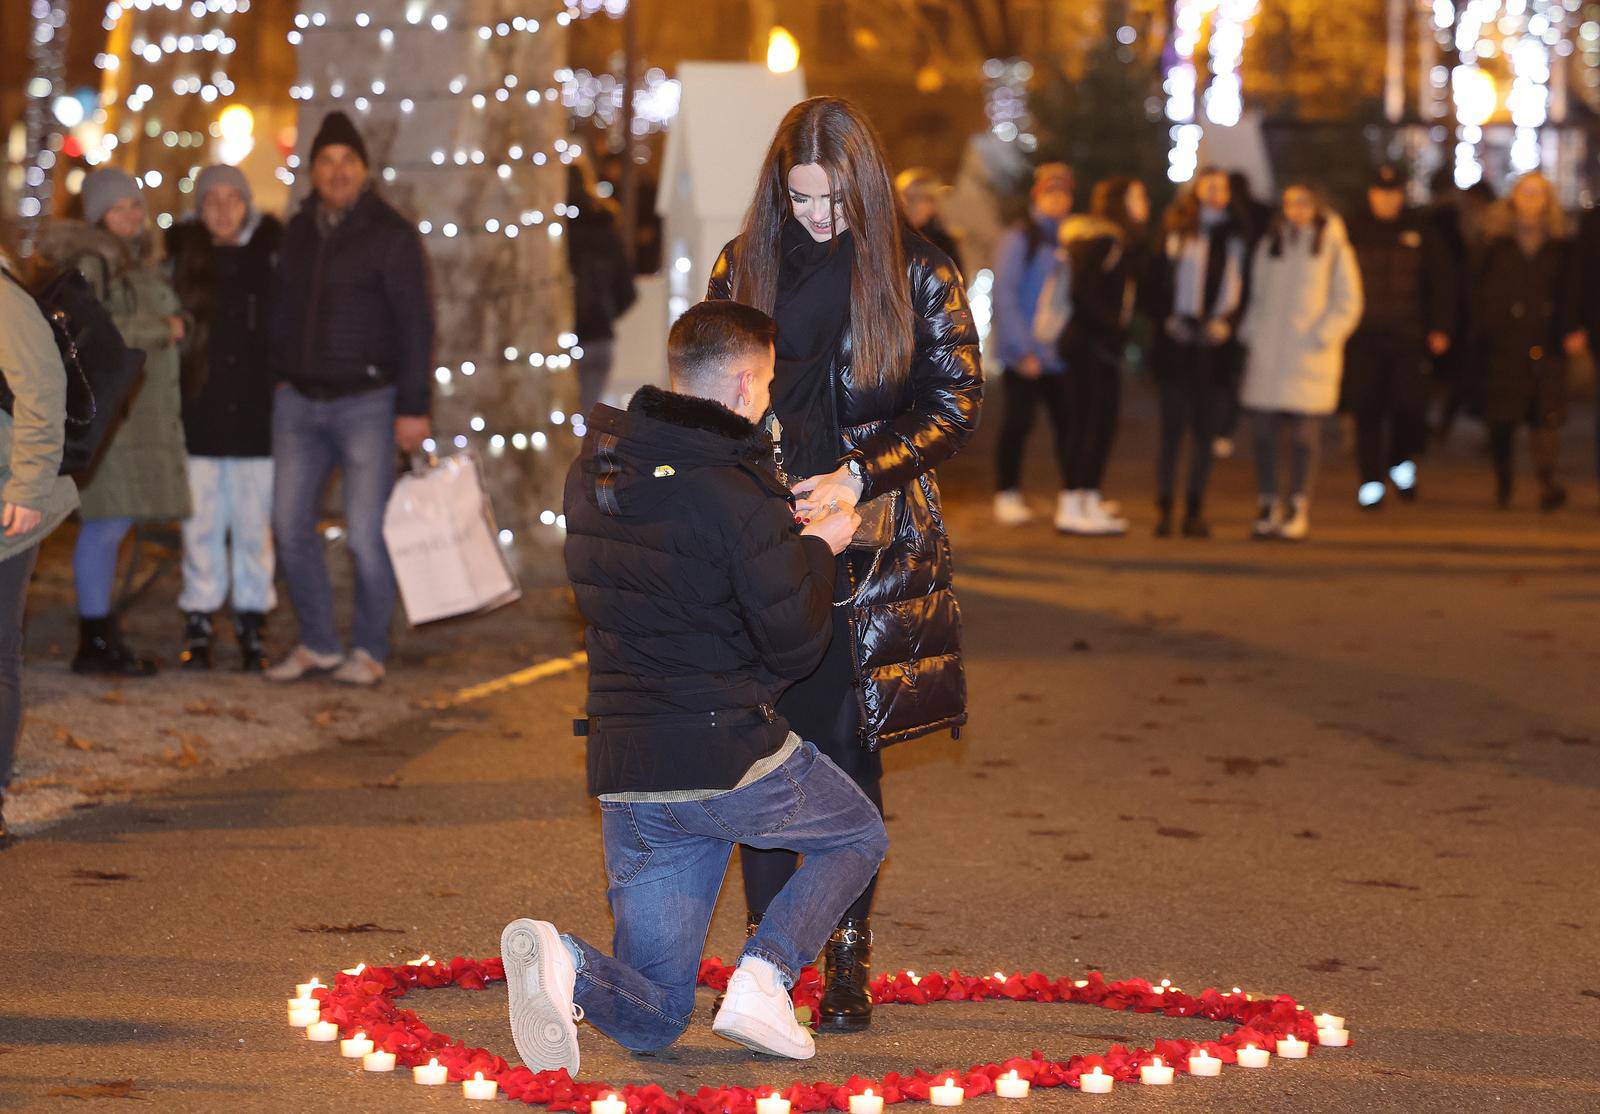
(1389, 394)
(1191, 404)
(1093, 397)
(1544, 440)
(1023, 397)
(823, 710)
(14, 573)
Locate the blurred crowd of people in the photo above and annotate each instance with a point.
(1265, 320)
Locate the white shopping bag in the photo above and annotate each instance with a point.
(442, 541)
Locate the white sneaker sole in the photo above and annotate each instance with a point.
(760, 1038)
(545, 1035)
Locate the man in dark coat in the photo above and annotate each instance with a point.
(1409, 317)
(703, 603)
(352, 355)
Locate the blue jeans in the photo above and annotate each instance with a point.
(94, 563)
(311, 438)
(232, 499)
(665, 864)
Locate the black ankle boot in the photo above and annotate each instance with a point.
(102, 651)
(1194, 520)
(252, 654)
(1164, 523)
(196, 641)
(846, 1006)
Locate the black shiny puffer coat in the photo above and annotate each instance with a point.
(910, 677)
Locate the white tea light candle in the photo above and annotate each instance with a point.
(431, 1074)
(355, 1047)
(866, 1103)
(1096, 1082)
(322, 1031)
(1203, 1063)
(772, 1104)
(1293, 1048)
(1329, 1021)
(1011, 1086)
(378, 1060)
(478, 1088)
(1333, 1038)
(948, 1093)
(1252, 1057)
(1155, 1073)
(609, 1104)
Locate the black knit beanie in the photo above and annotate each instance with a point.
(337, 128)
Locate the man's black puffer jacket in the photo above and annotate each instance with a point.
(702, 601)
(911, 680)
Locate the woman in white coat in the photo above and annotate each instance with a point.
(1305, 302)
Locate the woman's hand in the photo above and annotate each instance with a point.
(177, 329)
(19, 520)
(836, 528)
(819, 495)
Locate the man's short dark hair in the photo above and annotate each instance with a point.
(706, 341)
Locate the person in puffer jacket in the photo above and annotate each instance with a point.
(703, 601)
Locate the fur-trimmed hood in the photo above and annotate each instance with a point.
(64, 242)
(1085, 226)
(633, 459)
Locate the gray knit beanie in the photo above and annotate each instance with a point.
(221, 175)
(103, 189)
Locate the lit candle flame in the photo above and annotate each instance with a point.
(477, 1077)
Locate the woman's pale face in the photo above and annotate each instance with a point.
(1529, 200)
(223, 213)
(1214, 191)
(125, 219)
(812, 200)
(1299, 207)
(1137, 204)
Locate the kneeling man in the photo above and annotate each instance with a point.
(702, 603)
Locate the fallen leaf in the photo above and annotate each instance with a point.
(445, 893)
(1590, 993)
(1049, 832)
(101, 875)
(112, 1089)
(348, 929)
(1076, 857)
(391, 783)
(1326, 966)
(1028, 698)
(1079, 646)
(1236, 765)
(1306, 833)
(1379, 883)
(1179, 833)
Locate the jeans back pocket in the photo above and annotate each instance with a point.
(626, 851)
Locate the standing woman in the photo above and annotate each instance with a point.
(36, 497)
(1305, 302)
(1196, 297)
(1524, 323)
(222, 267)
(1105, 252)
(878, 382)
(141, 472)
(602, 280)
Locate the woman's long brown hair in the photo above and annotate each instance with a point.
(833, 134)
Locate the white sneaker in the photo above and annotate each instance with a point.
(758, 1013)
(540, 977)
(360, 668)
(1011, 509)
(1269, 519)
(1070, 518)
(1107, 515)
(1298, 526)
(301, 662)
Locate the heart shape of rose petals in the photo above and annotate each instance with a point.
(366, 1000)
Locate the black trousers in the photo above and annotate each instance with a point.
(1388, 393)
(1545, 441)
(1023, 397)
(1193, 404)
(1093, 400)
(822, 709)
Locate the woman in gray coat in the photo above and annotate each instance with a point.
(34, 497)
(141, 474)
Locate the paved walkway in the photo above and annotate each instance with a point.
(1365, 771)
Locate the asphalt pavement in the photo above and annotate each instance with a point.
(1364, 771)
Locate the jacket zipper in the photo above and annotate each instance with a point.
(311, 303)
(863, 734)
